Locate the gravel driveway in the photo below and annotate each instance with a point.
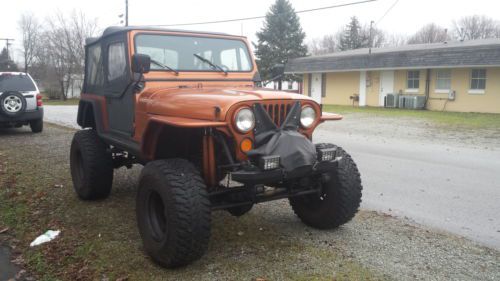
(444, 178)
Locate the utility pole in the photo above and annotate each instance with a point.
(370, 42)
(126, 12)
(7, 40)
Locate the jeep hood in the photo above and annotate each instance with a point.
(201, 103)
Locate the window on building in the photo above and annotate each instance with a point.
(478, 79)
(443, 79)
(117, 63)
(413, 79)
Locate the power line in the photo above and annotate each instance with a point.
(387, 12)
(261, 17)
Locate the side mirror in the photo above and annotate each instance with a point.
(277, 71)
(141, 63)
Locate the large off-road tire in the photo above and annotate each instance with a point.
(340, 199)
(91, 166)
(173, 212)
(36, 126)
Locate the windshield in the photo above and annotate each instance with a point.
(180, 53)
(11, 82)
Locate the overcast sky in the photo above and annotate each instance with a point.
(406, 17)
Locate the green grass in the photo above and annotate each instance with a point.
(455, 119)
(61, 102)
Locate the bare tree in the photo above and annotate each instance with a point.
(378, 36)
(395, 40)
(476, 27)
(325, 45)
(64, 46)
(30, 29)
(429, 33)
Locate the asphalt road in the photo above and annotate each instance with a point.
(437, 180)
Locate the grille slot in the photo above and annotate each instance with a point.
(277, 112)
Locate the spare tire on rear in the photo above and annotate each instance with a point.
(12, 103)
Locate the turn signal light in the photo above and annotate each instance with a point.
(246, 145)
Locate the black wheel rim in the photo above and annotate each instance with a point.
(156, 218)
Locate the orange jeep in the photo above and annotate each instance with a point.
(186, 105)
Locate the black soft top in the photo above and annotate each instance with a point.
(119, 29)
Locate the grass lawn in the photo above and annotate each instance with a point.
(458, 119)
(61, 102)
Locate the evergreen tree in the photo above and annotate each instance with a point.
(353, 37)
(280, 39)
(6, 64)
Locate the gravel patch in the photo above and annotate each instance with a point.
(398, 248)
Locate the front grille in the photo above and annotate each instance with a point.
(277, 112)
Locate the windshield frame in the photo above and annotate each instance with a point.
(210, 36)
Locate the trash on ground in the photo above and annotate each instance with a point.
(46, 237)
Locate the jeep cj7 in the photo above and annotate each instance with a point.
(186, 106)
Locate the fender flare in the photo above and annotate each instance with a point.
(155, 125)
(89, 115)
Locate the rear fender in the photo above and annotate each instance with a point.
(91, 115)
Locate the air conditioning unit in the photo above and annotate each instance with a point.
(402, 101)
(419, 102)
(412, 102)
(392, 100)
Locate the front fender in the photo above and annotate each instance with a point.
(156, 123)
(325, 116)
(186, 122)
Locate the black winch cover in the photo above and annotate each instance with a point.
(294, 149)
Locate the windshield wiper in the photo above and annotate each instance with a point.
(213, 65)
(165, 66)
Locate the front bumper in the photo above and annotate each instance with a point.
(253, 175)
(22, 118)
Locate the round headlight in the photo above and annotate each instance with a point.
(245, 120)
(307, 116)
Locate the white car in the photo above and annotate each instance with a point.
(20, 101)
